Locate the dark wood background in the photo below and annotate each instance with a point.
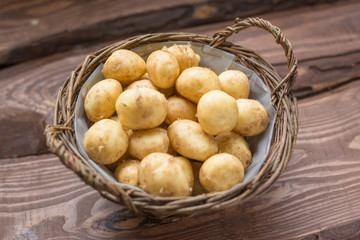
(318, 195)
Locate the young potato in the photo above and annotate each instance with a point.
(145, 76)
(125, 66)
(144, 142)
(195, 82)
(187, 170)
(252, 118)
(217, 112)
(180, 108)
(188, 139)
(128, 131)
(143, 83)
(141, 108)
(163, 175)
(221, 172)
(100, 100)
(163, 69)
(186, 57)
(235, 83)
(236, 145)
(197, 189)
(105, 141)
(127, 172)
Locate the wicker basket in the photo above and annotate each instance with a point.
(61, 136)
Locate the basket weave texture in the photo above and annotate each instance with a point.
(61, 136)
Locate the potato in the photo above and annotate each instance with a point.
(188, 139)
(217, 112)
(163, 175)
(127, 172)
(186, 57)
(180, 108)
(235, 83)
(221, 172)
(197, 189)
(128, 131)
(105, 141)
(145, 76)
(187, 170)
(100, 100)
(125, 66)
(144, 142)
(143, 83)
(195, 82)
(252, 118)
(141, 108)
(236, 145)
(163, 69)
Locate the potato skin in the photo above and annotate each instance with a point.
(187, 169)
(100, 100)
(195, 82)
(252, 118)
(145, 76)
(188, 139)
(217, 112)
(141, 108)
(143, 83)
(144, 142)
(105, 141)
(163, 69)
(127, 172)
(180, 108)
(221, 172)
(236, 145)
(185, 55)
(125, 66)
(161, 174)
(235, 83)
(128, 131)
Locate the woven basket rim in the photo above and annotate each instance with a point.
(61, 139)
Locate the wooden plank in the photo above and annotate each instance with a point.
(315, 198)
(21, 129)
(341, 231)
(33, 86)
(324, 45)
(29, 29)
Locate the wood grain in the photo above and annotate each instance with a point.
(30, 89)
(30, 29)
(315, 198)
(20, 129)
(326, 46)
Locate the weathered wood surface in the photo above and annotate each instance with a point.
(36, 28)
(317, 197)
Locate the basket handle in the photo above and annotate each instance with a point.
(239, 25)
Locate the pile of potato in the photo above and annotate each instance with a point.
(170, 126)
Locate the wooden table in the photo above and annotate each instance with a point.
(318, 195)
